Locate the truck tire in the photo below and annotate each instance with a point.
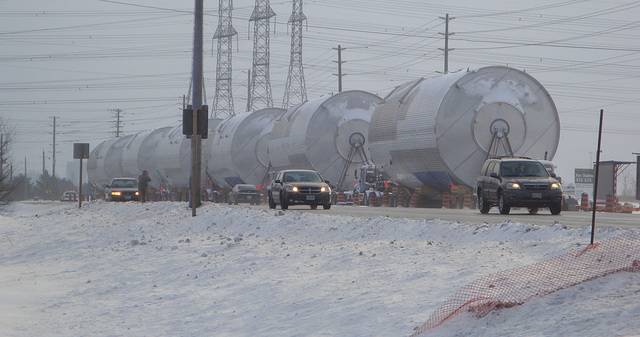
(502, 204)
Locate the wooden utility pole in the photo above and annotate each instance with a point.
(446, 42)
(197, 71)
(53, 170)
(340, 62)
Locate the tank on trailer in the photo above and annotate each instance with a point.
(113, 158)
(96, 166)
(139, 154)
(173, 156)
(239, 148)
(437, 132)
(327, 135)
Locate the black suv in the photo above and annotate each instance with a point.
(299, 187)
(517, 182)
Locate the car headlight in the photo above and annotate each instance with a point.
(322, 189)
(513, 186)
(137, 193)
(115, 193)
(294, 188)
(555, 186)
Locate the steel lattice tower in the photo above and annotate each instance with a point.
(223, 99)
(260, 87)
(295, 90)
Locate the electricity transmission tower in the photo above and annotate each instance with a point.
(223, 99)
(295, 88)
(260, 86)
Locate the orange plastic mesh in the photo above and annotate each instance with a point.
(513, 287)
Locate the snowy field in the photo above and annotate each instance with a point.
(131, 269)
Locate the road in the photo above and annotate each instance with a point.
(569, 219)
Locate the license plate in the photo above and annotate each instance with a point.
(311, 197)
(536, 195)
(127, 197)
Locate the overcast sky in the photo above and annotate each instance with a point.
(79, 60)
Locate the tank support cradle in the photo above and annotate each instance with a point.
(499, 140)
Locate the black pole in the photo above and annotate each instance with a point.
(80, 188)
(595, 185)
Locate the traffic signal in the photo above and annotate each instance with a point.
(202, 123)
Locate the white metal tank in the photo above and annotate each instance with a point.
(239, 148)
(438, 132)
(113, 158)
(327, 135)
(173, 156)
(96, 166)
(140, 154)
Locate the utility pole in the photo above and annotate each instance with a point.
(446, 42)
(249, 91)
(118, 123)
(26, 180)
(196, 103)
(340, 62)
(53, 171)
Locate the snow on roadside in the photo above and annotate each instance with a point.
(151, 269)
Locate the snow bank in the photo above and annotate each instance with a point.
(151, 269)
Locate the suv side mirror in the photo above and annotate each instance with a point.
(493, 175)
(327, 182)
(277, 181)
(553, 175)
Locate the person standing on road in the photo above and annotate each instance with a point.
(143, 183)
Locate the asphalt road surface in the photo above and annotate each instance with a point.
(544, 217)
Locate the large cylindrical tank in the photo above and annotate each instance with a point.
(240, 148)
(113, 158)
(173, 156)
(327, 135)
(438, 132)
(96, 166)
(140, 154)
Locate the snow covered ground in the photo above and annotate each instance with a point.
(131, 269)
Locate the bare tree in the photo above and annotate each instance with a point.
(628, 182)
(7, 185)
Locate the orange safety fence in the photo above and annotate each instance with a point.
(513, 287)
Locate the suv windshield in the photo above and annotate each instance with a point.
(291, 177)
(523, 169)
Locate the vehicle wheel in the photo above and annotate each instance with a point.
(502, 205)
(284, 203)
(483, 205)
(326, 206)
(533, 210)
(556, 209)
(272, 204)
(313, 206)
